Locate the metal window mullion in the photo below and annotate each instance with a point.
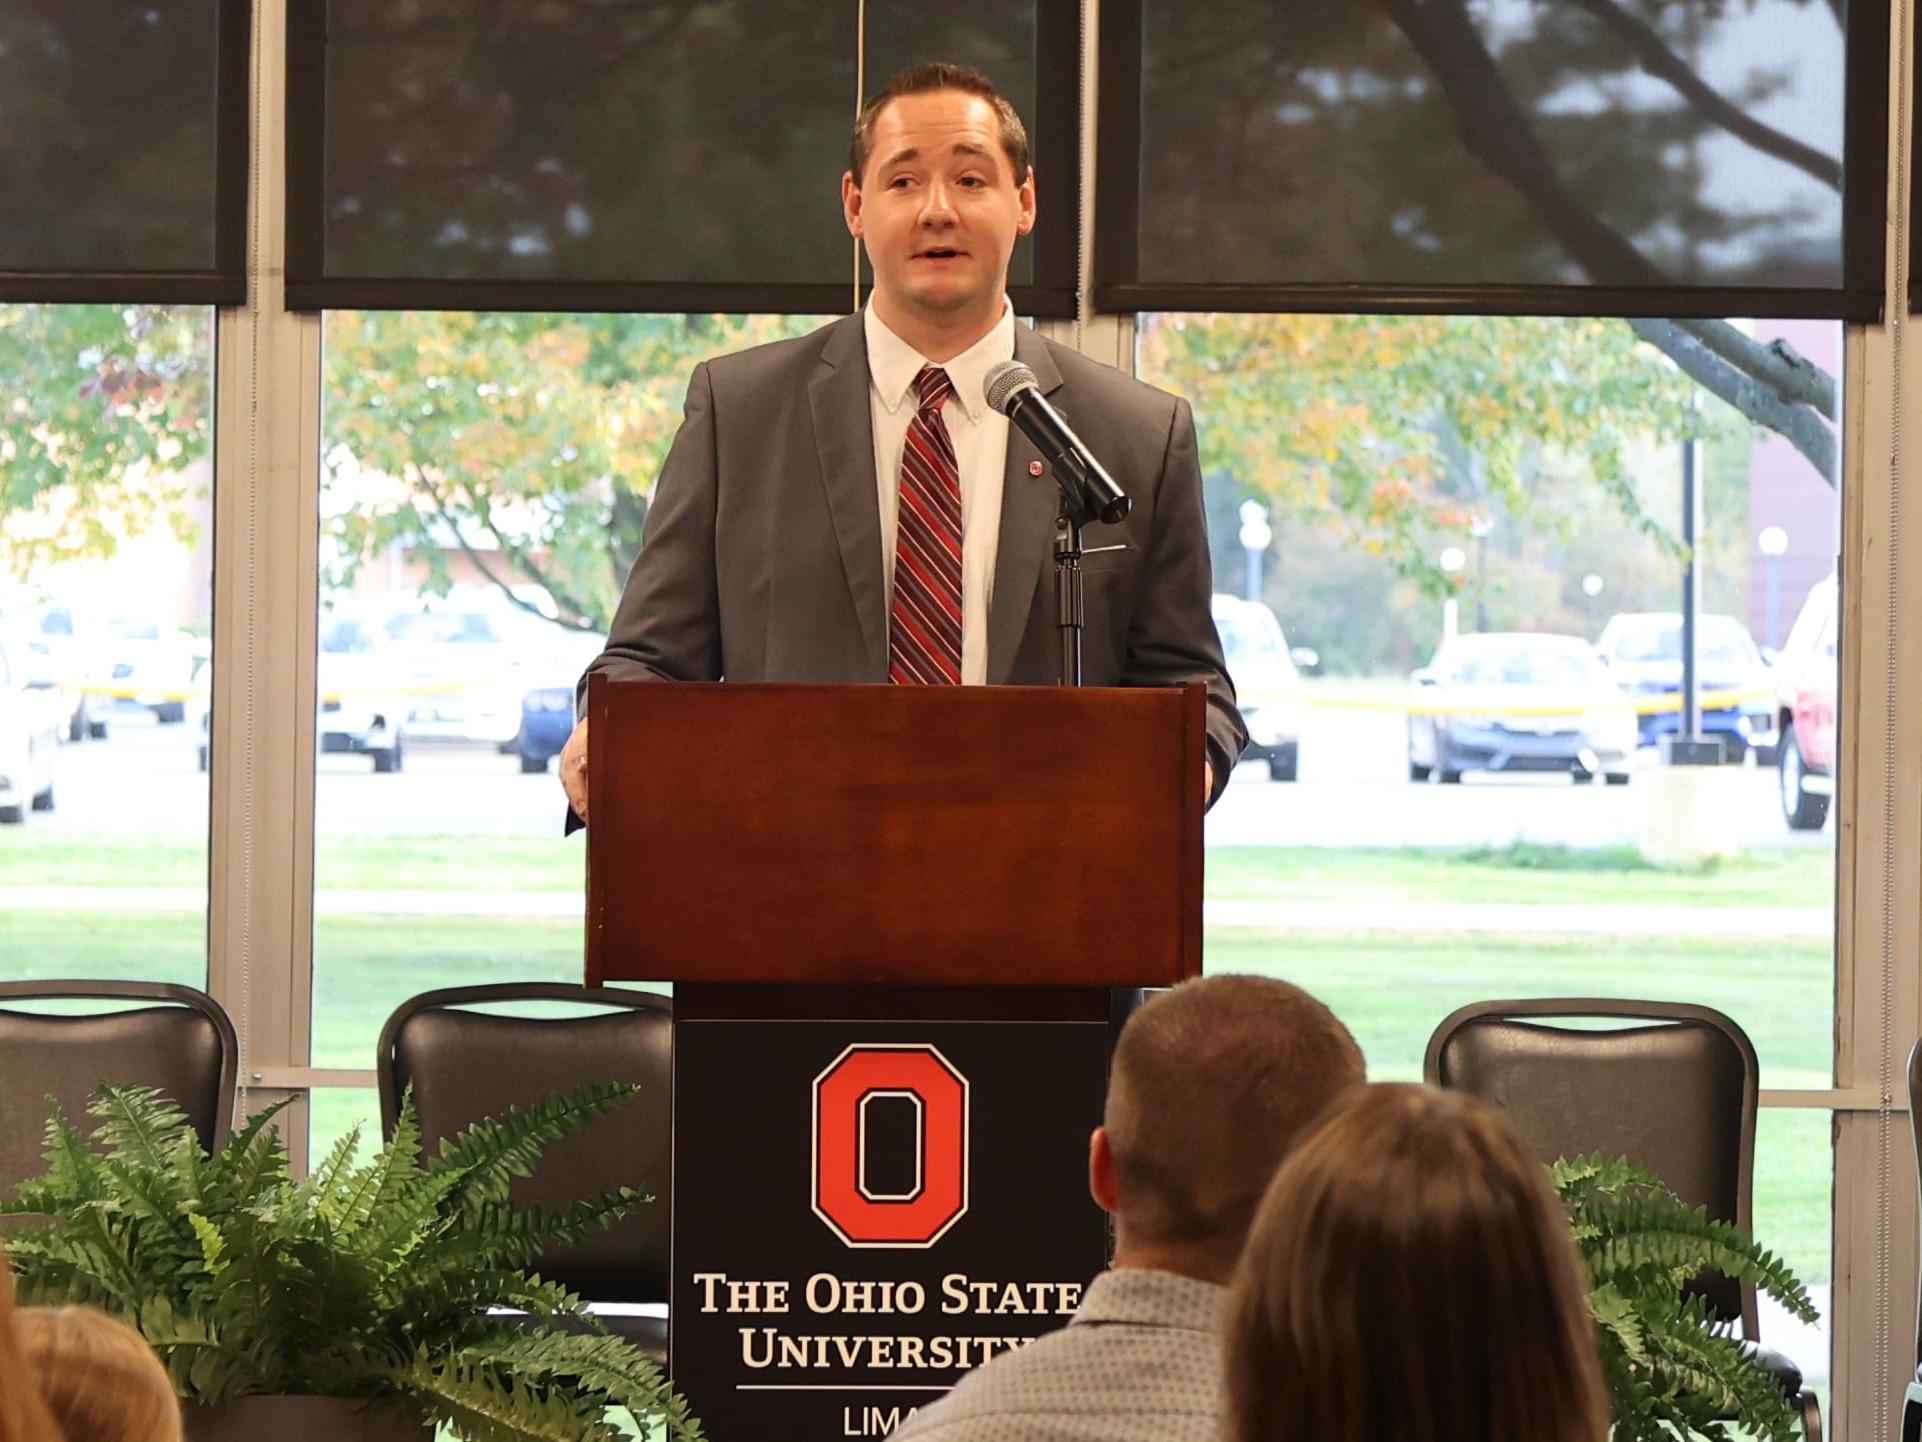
(266, 458)
(1110, 338)
(1879, 832)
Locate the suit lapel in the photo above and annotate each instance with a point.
(844, 436)
(1029, 505)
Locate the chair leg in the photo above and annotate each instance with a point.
(1810, 1407)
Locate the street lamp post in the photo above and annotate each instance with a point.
(1256, 536)
(1480, 528)
(1451, 561)
(1592, 588)
(1772, 542)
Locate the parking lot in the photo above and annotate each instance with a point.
(1353, 792)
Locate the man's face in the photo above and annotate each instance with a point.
(940, 206)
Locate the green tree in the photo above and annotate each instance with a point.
(101, 408)
(537, 435)
(1393, 433)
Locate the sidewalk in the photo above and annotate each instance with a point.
(1426, 917)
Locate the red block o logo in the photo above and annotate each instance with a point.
(859, 1215)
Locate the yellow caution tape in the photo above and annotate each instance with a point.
(1642, 706)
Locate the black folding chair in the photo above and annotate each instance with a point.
(1675, 1091)
(464, 1065)
(175, 1039)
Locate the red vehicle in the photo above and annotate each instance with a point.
(1805, 711)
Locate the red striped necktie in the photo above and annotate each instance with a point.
(924, 632)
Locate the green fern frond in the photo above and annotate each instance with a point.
(73, 1167)
(1672, 1369)
(615, 1369)
(138, 1124)
(483, 1405)
(492, 1152)
(382, 1182)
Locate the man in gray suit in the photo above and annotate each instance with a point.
(846, 507)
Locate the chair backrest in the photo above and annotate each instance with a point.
(1675, 1094)
(1915, 1126)
(176, 1039)
(464, 1065)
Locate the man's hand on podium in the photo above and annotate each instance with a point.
(574, 770)
(1207, 779)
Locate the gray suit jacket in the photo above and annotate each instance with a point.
(762, 554)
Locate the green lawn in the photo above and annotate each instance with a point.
(1538, 874)
(1391, 987)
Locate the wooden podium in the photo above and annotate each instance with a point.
(901, 923)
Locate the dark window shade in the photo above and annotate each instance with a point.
(681, 155)
(123, 151)
(1915, 189)
(1618, 157)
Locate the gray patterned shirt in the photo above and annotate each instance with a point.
(1139, 1362)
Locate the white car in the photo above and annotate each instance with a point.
(1267, 682)
(1518, 701)
(363, 703)
(29, 735)
(460, 673)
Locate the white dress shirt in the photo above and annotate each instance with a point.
(980, 437)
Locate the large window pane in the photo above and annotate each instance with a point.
(1474, 525)
(487, 477)
(122, 145)
(665, 145)
(1613, 143)
(105, 585)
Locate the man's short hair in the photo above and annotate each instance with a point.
(1212, 1085)
(923, 80)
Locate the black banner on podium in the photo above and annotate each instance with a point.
(863, 1211)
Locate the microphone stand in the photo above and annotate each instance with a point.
(1070, 603)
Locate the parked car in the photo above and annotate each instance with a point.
(80, 669)
(547, 710)
(1643, 650)
(144, 663)
(1507, 701)
(30, 722)
(1267, 682)
(363, 704)
(460, 673)
(1805, 711)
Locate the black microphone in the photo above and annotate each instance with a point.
(1012, 389)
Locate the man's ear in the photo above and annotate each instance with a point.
(851, 202)
(1024, 220)
(1101, 1172)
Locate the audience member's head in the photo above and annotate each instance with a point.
(1213, 1083)
(23, 1415)
(1411, 1278)
(98, 1377)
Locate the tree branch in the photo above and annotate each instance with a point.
(1799, 424)
(1496, 132)
(425, 479)
(1658, 60)
(1778, 365)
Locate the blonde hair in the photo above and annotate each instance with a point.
(1212, 1084)
(1411, 1277)
(23, 1416)
(99, 1378)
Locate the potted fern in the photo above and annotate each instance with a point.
(1673, 1369)
(357, 1304)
